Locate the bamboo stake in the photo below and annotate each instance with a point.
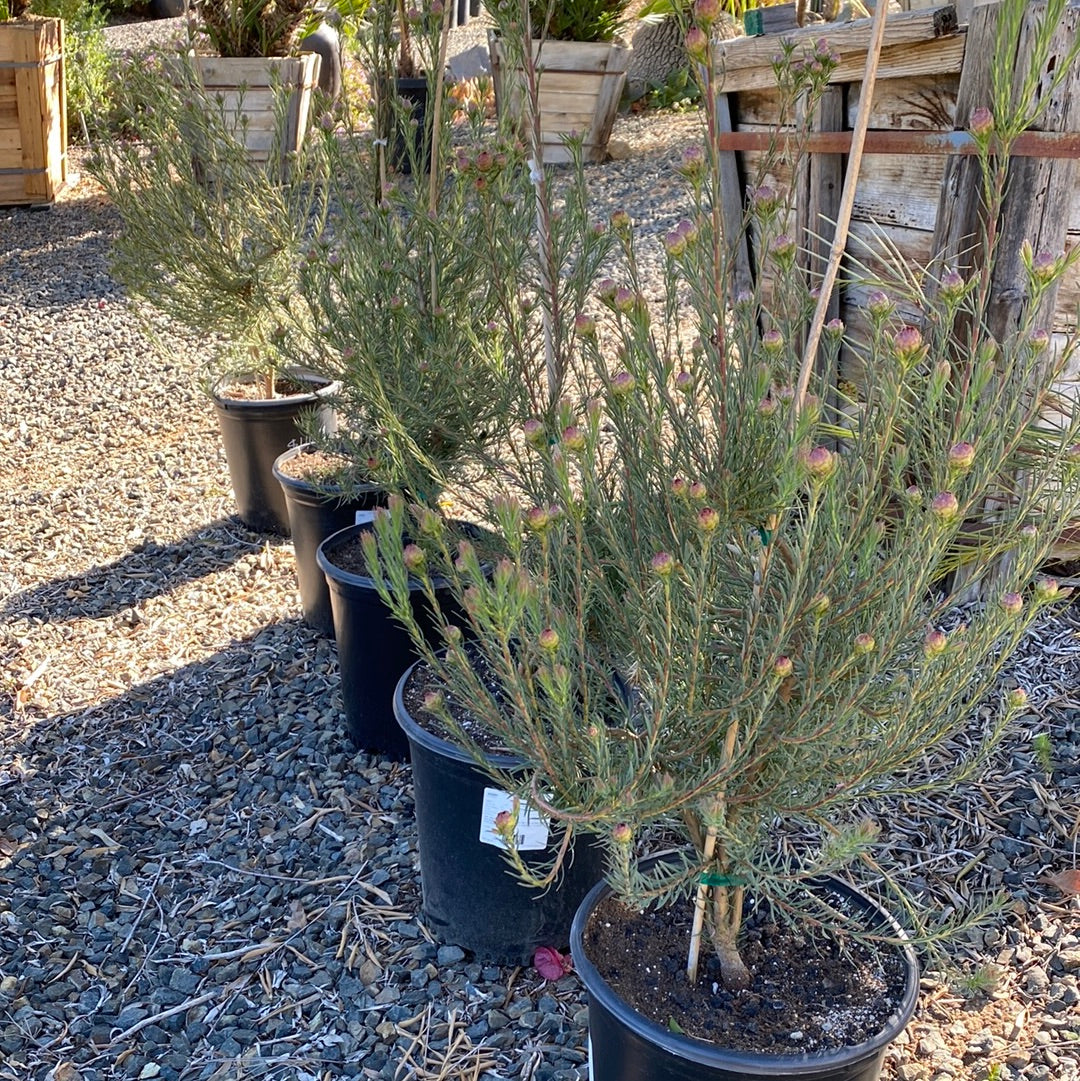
(699, 911)
(847, 204)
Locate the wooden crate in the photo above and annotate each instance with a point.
(33, 110)
(246, 89)
(581, 84)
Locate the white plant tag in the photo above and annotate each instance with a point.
(532, 827)
(365, 517)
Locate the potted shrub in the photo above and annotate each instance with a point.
(213, 242)
(729, 620)
(33, 128)
(257, 76)
(400, 320)
(570, 80)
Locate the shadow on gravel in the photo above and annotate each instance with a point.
(208, 851)
(57, 256)
(150, 570)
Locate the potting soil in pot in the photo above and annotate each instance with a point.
(811, 990)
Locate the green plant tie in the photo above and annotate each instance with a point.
(710, 878)
(765, 536)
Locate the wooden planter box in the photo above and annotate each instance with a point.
(33, 111)
(247, 88)
(580, 87)
(909, 191)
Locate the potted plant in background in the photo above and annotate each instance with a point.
(571, 81)
(214, 241)
(258, 78)
(33, 128)
(403, 324)
(728, 623)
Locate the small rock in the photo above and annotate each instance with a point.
(449, 955)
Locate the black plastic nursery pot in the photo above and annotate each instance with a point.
(255, 431)
(415, 93)
(314, 514)
(471, 898)
(373, 649)
(625, 1046)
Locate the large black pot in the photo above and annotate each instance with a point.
(373, 649)
(625, 1046)
(255, 431)
(314, 514)
(470, 896)
(414, 93)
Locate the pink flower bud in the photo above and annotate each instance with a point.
(820, 604)
(707, 520)
(624, 299)
(934, 644)
(585, 326)
(1044, 267)
(622, 834)
(782, 667)
(605, 290)
(1039, 340)
(1012, 603)
(548, 640)
(697, 491)
(679, 487)
(767, 406)
(706, 12)
(913, 495)
(908, 346)
(622, 384)
(764, 199)
(573, 438)
(684, 381)
(944, 506)
(820, 463)
(452, 635)
(533, 431)
(675, 244)
(772, 341)
(663, 564)
(537, 519)
(1016, 698)
(981, 123)
(697, 43)
(952, 285)
(783, 249)
(505, 824)
(620, 221)
(692, 163)
(864, 644)
(878, 304)
(433, 702)
(413, 557)
(1046, 589)
(834, 329)
(961, 456)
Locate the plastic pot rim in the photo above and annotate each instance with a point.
(762, 1065)
(298, 484)
(322, 386)
(417, 733)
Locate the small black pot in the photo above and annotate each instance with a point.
(624, 1046)
(373, 649)
(470, 895)
(255, 431)
(314, 514)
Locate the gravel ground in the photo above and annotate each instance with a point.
(199, 877)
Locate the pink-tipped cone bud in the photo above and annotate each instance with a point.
(548, 640)
(585, 326)
(697, 44)
(662, 564)
(1012, 603)
(413, 557)
(981, 123)
(622, 384)
(1016, 698)
(434, 702)
(1046, 589)
(908, 345)
(537, 519)
(782, 667)
(934, 644)
(820, 463)
(708, 520)
(864, 644)
(573, 439)
(961, 457)
(696, 491)
(622, 834)
(944, 507)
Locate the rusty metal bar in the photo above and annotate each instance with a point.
(1031, 144)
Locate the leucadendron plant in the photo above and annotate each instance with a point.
(737, 604)
(211, 238)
